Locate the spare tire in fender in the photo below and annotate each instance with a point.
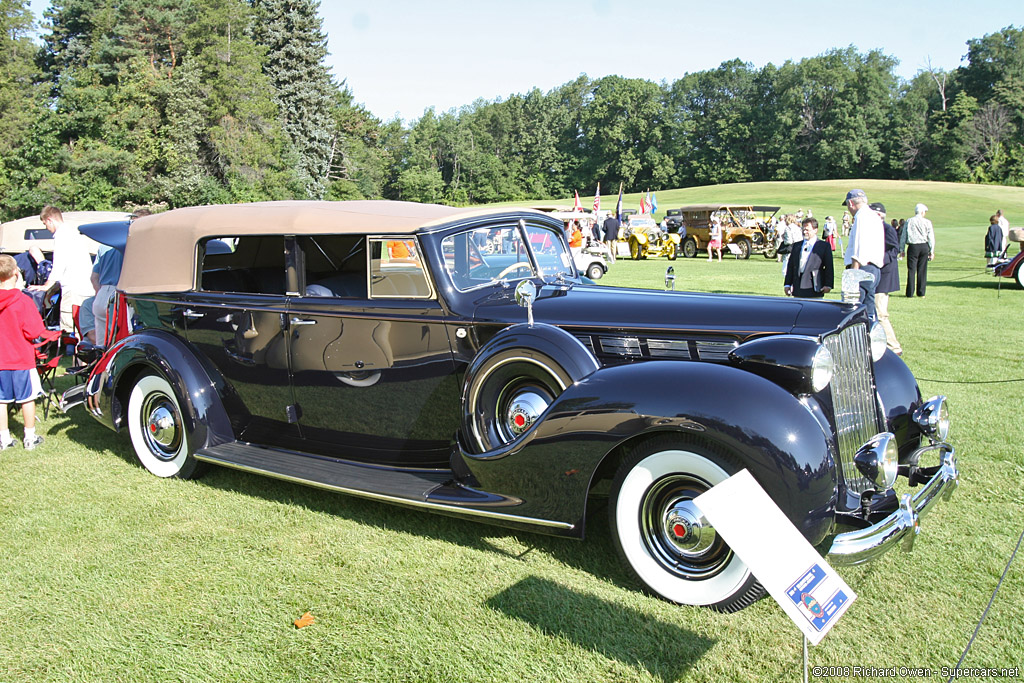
(515, 377)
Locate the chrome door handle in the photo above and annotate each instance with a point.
(295, 322)
(189, 313)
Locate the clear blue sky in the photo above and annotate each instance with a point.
(401, 56)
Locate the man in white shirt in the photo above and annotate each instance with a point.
(72, 265)
(1004, 225)
(866, 249)
(918, 240)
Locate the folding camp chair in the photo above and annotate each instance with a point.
(50, 307)
(48, 354)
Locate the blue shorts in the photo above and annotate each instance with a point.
(19, 386)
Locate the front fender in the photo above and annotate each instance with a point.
(900, 396)
(200, 396)
(640, 237)
(758, 424)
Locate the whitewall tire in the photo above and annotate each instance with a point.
(157, 429)
(663, 538)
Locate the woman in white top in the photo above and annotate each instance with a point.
(715, 243)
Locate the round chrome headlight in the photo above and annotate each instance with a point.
(878, 459)
(932, 417)
(942, 421)
(878, 342)
(822, 368)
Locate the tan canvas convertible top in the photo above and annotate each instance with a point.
(161, 250)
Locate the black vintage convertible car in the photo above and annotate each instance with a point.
(390, 350)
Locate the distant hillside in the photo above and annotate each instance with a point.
(950, 204)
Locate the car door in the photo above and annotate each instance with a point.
(371, 364)
(236, 318)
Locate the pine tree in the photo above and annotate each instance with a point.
(296, 48)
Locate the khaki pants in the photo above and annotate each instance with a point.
(882, 310)
(67, 300)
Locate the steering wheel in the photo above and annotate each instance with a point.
(514, 266)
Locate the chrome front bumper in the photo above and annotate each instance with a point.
(903, 525)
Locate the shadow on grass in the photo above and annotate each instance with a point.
(990, 282)
(635, 639)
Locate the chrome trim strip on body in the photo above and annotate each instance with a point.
(853, 400)
(469, 512)
(903, 525)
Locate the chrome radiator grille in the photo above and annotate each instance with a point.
(853, 399)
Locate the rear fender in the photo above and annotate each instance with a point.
(200, 389)
(760, 426)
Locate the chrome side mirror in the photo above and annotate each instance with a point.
(526, 294)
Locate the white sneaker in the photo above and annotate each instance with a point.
(32, 442)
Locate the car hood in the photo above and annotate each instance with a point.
(583, 307)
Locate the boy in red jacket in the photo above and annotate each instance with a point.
(19, 382)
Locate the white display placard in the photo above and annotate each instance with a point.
(805, 586)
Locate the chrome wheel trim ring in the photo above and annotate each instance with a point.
(161, 426)
(666, 510)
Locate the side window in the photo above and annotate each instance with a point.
(484, 255)
(396, 269)
(335, 265)
(249, 264)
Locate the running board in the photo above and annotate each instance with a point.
(432, 489)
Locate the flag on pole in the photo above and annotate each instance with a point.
(618, 206)
(597, 199)
(654, 202)
(577, 206)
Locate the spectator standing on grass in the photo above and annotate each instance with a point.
(715, 243)
(611, 233)
(1004, 226)
(810, 274)
(830, 232)
(918, 242)
(994, 244)
(889, 279)
(846, 223)
(19, 382)
(866, 250)
(792, 235)
(72, 265)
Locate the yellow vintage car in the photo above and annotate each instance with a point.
(645, 238)
(741, 226)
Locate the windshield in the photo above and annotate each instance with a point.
(482, 256)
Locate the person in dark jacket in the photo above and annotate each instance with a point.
(888, 279)
(611, 233)
(994, 246)
(809, 273)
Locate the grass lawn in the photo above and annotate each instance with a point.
(110, 574)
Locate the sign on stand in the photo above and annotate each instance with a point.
(805, 586)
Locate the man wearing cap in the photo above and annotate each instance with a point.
(918, 241)
(889, 279)
(866, 249)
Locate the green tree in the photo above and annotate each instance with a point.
(710, 115)
(296, 48)
(20, 102)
